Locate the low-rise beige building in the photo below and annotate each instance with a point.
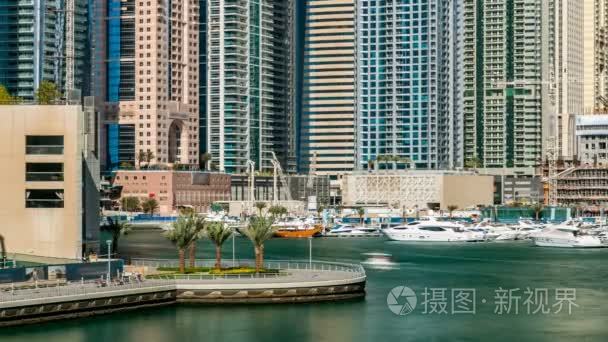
(175, 189)
(50, 203)
(417, 189)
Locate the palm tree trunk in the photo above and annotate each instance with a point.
(182, 260)
(257, 258)
(218, 257)
(261, 256)
(192, 254)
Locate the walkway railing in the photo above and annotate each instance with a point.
(81, 288)
(281, 265)
(12, 294)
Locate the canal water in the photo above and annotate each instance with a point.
(520, 292)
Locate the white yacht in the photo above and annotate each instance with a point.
(569, 237)
(347, 229)
(433, 231)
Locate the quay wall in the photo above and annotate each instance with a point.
(49, 308)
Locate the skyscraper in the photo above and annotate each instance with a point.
(250, 83)
(33, 45)
(566, 58)
(595, 45)
(504, 49)
(405, 78)
(152, 82)
(202, 71)
(327, 123)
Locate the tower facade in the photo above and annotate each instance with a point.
(405, 77)
(33, 44)
(250, 85)
(152, 82)
(505, 50)
(327, 123)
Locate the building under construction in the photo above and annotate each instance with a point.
(584, 187)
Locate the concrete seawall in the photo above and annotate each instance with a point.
(84, 300)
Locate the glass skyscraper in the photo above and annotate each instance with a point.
(33, 45)
(250, 83)
(405, 83)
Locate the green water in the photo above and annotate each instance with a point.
(484, 267)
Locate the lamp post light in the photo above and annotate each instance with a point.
(310, 252)
(233, 258)
(109, 243)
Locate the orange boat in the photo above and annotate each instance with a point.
(298, 231)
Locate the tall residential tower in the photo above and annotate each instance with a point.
(405, 76)
(505, 50)
(152, 82)
(327, 123)
(250, 86)
(34, 43)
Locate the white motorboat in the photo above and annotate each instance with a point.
(347, 229)
(380, 261)
(432, 231)
(569, 237)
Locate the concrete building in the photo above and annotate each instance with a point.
(152, 82)
(250, 90)
(418, 189)
(522, 185)
(504, 81)
(585, 187)
(591, 139)
(50, 201)
(595, 58)
(566, 55)
(175, 189)
(327, 126)
(300, 188)
(34, 41)
(405, 78)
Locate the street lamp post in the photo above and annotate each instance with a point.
(109, 243)
(310, 252)
(233, 258)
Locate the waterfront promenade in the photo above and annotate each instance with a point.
(294, 282)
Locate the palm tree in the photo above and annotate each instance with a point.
(149, 158)
(451, 208)
(218, 233)
(141, 157)
(538, 209)
(260, 206)
(361, 213)
(116, 228)
(198, 224)
(320, 210)
(260, 229)
(149, 206)
(204, 159)
(277, 211)
(182, 235)
(129, 203)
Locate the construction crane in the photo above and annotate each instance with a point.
(312, 171)
(69, 44)
(251, 183)
(552, 172)
(278, 173)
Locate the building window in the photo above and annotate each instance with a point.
(44, 144)
(44, 172)
(47, 198)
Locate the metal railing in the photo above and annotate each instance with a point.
(281, 265)
(10, 294)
